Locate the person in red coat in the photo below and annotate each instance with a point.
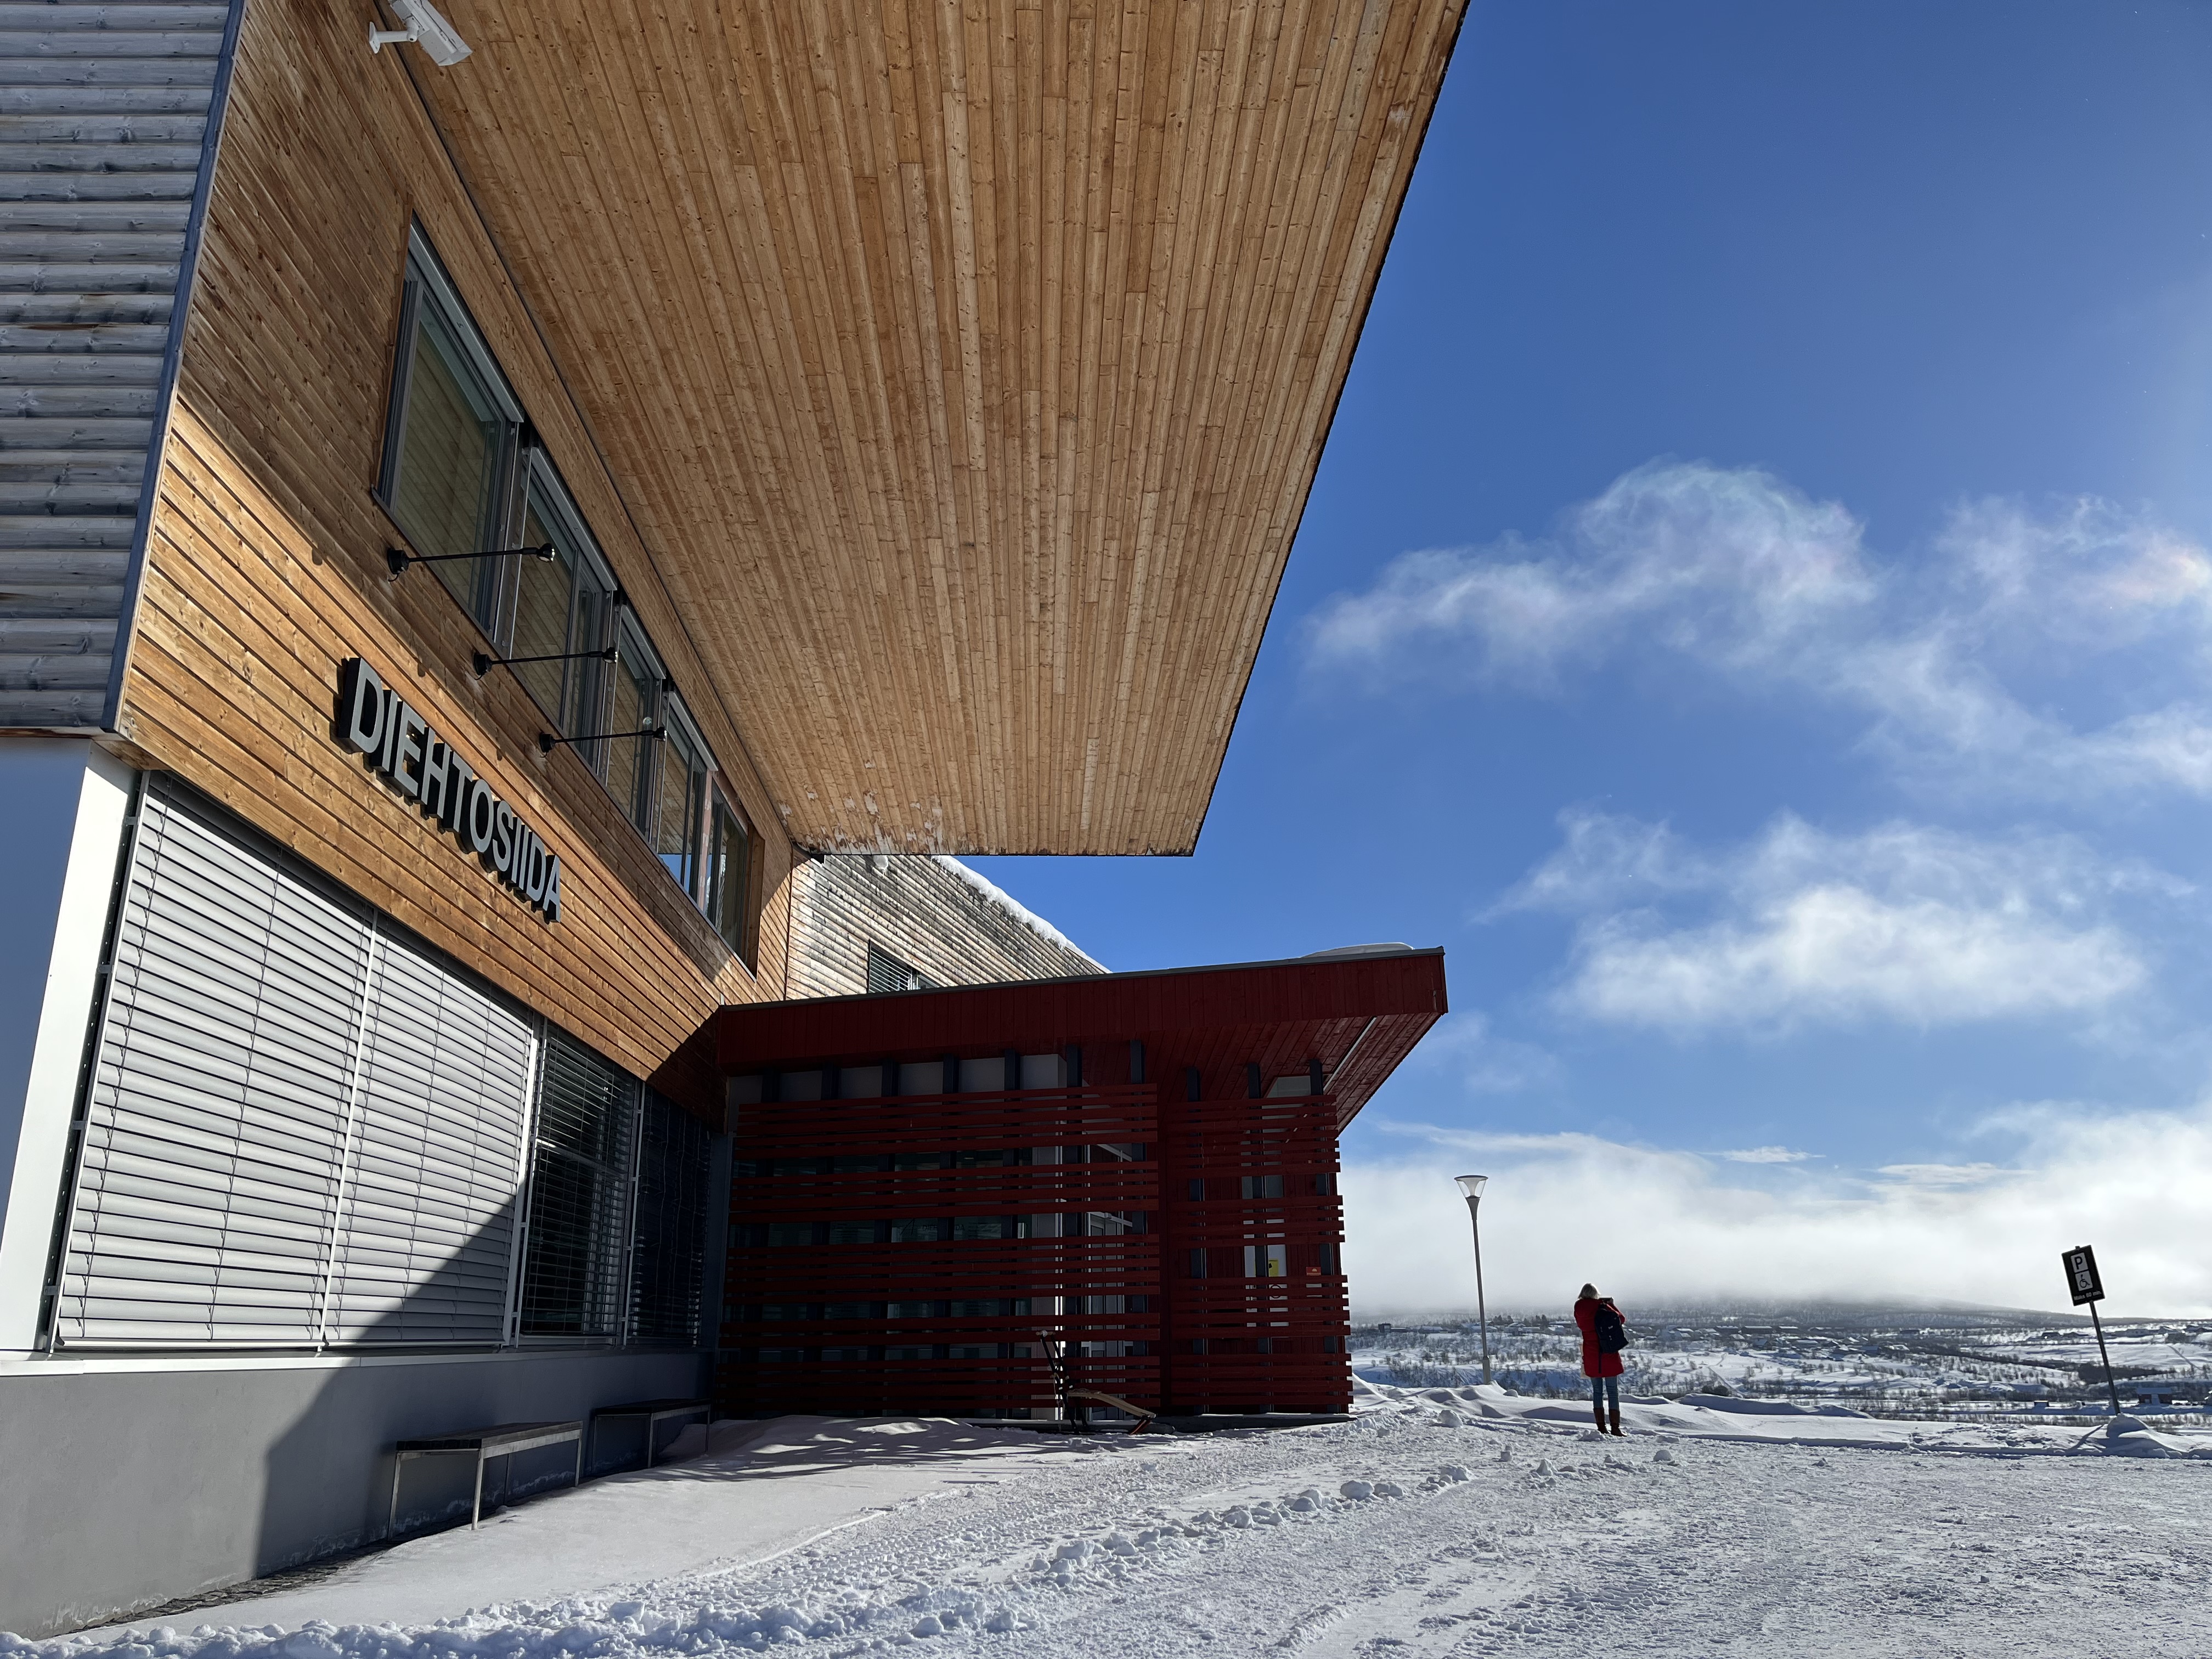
(1601, 1365)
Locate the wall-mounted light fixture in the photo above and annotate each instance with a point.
(423, 27)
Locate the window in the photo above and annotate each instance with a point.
(887, 973)
(1266, 1185)
(668, 1253)
(679, 816)
(633, 705)
(561, 607)
(580, 1195)
(1266, 1261)
(451, 438)
(732, 871)
(460, 479)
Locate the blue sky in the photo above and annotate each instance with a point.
(1755, 612)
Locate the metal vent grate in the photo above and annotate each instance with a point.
(887, 973)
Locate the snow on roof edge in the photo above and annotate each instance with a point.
(1014, 906)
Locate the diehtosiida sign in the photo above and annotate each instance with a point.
(397, 741)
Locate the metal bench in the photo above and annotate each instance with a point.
(655, 1413)
(484, 1445)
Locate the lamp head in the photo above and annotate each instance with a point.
(1473, 1185)
(432, 32)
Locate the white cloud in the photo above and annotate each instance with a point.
(1659, 1226)
(1767, 1155)
(1905, 923)
(1727, 565)
(1955, 662)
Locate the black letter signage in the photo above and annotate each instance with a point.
(397, 741)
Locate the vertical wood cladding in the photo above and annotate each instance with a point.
(970, 361)
(105, 133)
(266, 568)
(930, 916)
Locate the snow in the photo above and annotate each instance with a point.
(1014, 908)
(1466, 1520)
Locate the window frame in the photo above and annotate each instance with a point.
(526, 478)
(723, 801)
(426, 281)
(675, 722)
(542, 489)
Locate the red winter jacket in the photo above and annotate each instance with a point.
(1594, 1363)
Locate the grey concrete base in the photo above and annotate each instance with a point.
(124, 1488)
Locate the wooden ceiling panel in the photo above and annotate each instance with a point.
(964, 365)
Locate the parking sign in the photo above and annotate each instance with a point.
(2082, 1275)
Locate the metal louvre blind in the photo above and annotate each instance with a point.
(435, 1170)
(668, 1258)
(300, 1128)
(207, 1170)
(580, 1195)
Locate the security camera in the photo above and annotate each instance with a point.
(426, 29)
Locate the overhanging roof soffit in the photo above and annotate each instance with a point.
(965, 367)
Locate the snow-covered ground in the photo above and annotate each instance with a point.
(1467, 1522)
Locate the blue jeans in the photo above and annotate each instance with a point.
(1605, 1388)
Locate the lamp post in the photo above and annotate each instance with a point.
(1473, 1186)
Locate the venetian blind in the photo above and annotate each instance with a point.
(580, 1195)
(207, 1168)
(434, 1169)
(301, 1126)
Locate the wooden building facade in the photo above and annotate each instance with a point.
(475, 523)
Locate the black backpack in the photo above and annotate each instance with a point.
(1611, 1328)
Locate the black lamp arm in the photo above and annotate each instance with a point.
(547, 742)
(483, 663)
(399, 558)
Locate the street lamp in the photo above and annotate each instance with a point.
(1473, 1186)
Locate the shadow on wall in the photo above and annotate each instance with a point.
(327, 1477)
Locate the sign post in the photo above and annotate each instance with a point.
(2088, 1285)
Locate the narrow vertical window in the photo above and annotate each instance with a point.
(559, 607)
(731, 868)
(678, 817)
(450, 443)
(633, 705)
